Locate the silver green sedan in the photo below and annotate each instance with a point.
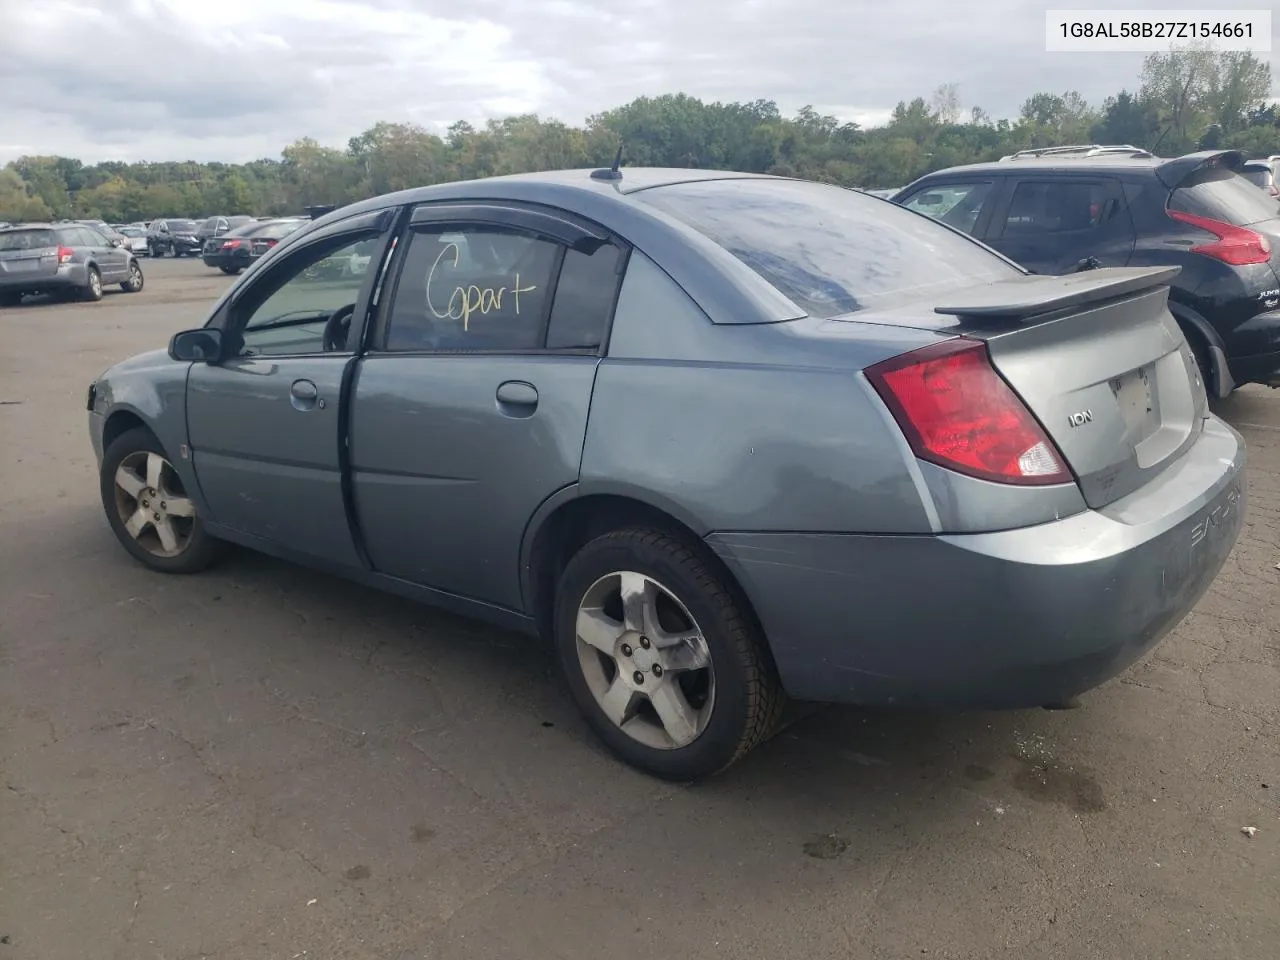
(722, 439)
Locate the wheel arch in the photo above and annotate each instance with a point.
(120, 421)
(1194, 325)
(569, 519)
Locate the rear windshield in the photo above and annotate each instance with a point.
(133, 232)
(274, 231)
(1223, 195)
(830, 250)
(1259, 175)
(27, 239)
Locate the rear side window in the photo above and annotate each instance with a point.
(831, 251)
(11, 240)
(584, 298)
(1223, 195)
(1058, 206)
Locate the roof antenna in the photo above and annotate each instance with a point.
(613, 173)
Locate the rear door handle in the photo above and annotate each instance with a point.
(518, 397)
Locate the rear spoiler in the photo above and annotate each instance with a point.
(1034, 295)
(1173, 172)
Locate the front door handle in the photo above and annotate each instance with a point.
(302, 394)
(517, 398)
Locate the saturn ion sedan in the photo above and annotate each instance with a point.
(723, 439)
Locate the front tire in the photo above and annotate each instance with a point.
(148, 508)
(665, 662)
(135, 281)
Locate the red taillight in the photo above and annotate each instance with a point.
(65, 254)
(272, 243)
(230, 244)
(958, 412)
(1235, 245)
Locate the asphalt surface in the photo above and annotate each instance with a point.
(265, 762)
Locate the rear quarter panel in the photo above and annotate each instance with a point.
(764, 427)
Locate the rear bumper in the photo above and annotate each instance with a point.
(1014, 619)
(1259, 368)
(68, 275)
(219, 259)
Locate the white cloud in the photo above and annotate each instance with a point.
(238, 79)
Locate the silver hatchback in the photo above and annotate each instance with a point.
(63, 259)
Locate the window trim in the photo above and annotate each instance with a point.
(560, 227)
(982, 225)
(379, 223)
(1112, 186)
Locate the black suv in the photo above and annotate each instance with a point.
(175, 237)
(1078, 208)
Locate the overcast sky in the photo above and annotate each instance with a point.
(239, 79)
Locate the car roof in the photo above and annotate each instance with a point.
(1058, 165)
(722, 285)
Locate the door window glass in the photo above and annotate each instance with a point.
(292, 319)
(472, 288)
(1040, 207)
(955, 204)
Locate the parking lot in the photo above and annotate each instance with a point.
(265, 762)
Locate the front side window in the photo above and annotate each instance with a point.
(472, 288)
(831, 251)
(1058, 206)
(955, 204)
(293, 319)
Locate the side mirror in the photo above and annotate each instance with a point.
(197, 346)
(116, 242)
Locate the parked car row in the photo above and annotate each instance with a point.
(1065, 210)
(236, 248)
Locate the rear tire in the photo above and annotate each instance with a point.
(721, 711)
(127, 482)
(93, 286)
(230, 271)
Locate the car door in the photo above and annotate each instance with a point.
(1062, 224)
(965, 204)
(113, 262)
(263, 424)
(470, 407)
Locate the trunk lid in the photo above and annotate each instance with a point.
(33, 262)
(1096, 356)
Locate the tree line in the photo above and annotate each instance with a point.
(1184, 100)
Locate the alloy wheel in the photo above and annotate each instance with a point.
(645, 660)
(152, 505)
